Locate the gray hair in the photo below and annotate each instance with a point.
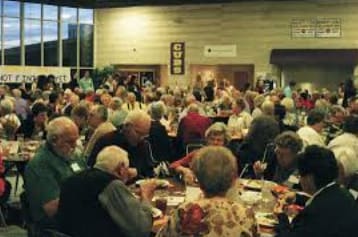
(6, 107)
(156, 110)
(193, 108)
(110, 157)
(16, 92)
(59, 127)
(116, 103)
(288, 103)
(215, 167)
(101, 111)
(289, 140)
(218, 129)
(268, 107)
(136, 117)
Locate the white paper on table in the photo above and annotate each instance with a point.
(175, 201)
(171, 200)
(192, 194)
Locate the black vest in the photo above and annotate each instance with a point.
(80, 213)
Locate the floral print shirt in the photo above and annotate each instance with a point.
(211, 218)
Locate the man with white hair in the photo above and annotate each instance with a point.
(132, 104)
(54, 161)
(98, 122)
(130, 137)
(96, 202)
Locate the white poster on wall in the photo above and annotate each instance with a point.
(303, 28)
(27, 74)
(328, 28)
(220, 51)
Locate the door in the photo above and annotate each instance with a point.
(241, 79)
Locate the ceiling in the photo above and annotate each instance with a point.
(126, 3)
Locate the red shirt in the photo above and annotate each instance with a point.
(192, 127)
(185, 161)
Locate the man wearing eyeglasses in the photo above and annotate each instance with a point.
(130, 137)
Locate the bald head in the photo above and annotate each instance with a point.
(62, 135)
(136, 126)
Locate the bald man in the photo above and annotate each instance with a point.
(130, 137)
(54, 161)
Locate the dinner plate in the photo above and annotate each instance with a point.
(156, 213)
(250, 197)
(266, 219)
(160, 182)
(252, 184)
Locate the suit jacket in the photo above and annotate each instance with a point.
(159, 140)
(332, 213)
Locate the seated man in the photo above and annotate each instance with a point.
(331, 211)
(53, 162)
(311, 134)
(192, 127)
(129, 137)
(98, 122)
(34, 126)
(96, 202)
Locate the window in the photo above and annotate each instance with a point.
(12, 40)
(0, 35)
(32, 41)
(50, 12)
(32, 11)
(11, 8)
(86, 16)
(86, 45)
(69, 14)
(69, 44)
(50, 39)
(31, 31)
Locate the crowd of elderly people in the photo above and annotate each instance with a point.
(96, 142)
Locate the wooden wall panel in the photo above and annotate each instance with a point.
(255, 28)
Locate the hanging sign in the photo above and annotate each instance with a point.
(177, 58)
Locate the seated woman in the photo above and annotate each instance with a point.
(288, 145)
(213, 215)
(216, 135)
(257, 144)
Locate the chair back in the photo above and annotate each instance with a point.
(193, 146)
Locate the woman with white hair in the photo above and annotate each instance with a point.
(216, 135)
(9, 120)
(214, 214)
(290, 121)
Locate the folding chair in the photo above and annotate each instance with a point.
(192, 147)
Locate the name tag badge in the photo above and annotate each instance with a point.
(293, 179)
(75, 167)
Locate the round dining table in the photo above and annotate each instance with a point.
(254, 194)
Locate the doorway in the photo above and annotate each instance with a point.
(237, 74)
